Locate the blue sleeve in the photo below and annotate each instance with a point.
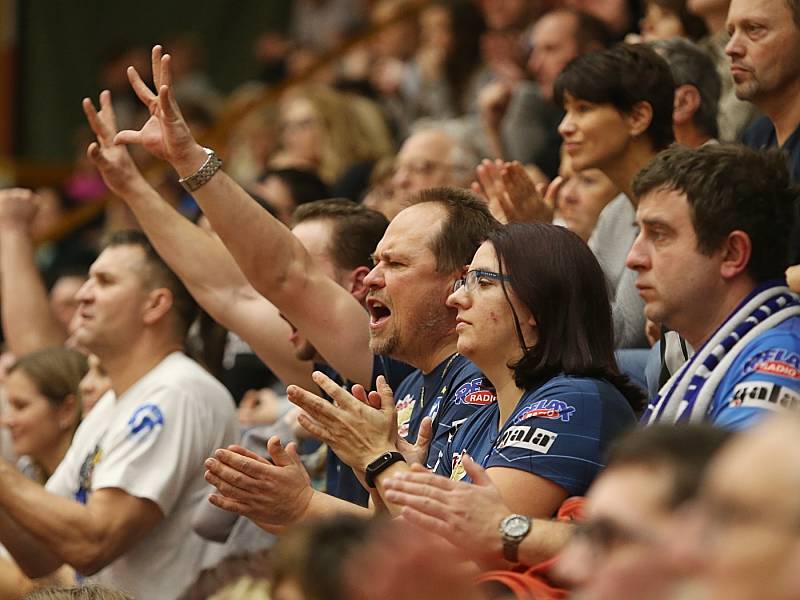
(763, 380)
(561, 435)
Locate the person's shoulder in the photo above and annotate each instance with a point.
(578, 392)
(761, 134)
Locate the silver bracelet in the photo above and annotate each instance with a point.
(200, 177)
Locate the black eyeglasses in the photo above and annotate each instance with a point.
(469, 280)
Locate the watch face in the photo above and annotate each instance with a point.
(516, 526)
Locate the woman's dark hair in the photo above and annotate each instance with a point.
(303, 185)
(623, 76)
(56, 372)
(554, 273)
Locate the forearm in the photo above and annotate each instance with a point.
(28, 322)
(62, 530)
(239, 220)
(546, 540)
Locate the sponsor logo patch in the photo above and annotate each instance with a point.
(521, 436)
(765, 394)
(477, 392)
(777, 361)
(145, 420)
(555, 410)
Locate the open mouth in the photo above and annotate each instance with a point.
(379, 313)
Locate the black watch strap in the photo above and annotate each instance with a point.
(379, 465)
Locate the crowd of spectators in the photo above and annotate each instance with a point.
(496, 303)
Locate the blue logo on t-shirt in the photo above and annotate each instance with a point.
(546, 409)
(146, 419)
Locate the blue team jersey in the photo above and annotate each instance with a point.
(340, 481)
(764, 378)
(559, 431)
(449, 394)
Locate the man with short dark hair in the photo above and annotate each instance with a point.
(120, 503)
(716, 226)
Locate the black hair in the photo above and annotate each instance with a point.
(555, 274)
(728, 188)
(304, 185)
(623, 76)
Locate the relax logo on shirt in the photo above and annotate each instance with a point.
(477, 392)
(546, 409)
(530, 438)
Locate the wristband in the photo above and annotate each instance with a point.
(379, 465)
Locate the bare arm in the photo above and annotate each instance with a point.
(87, 537)
(277, 265)
(199, 259)
(28, 321)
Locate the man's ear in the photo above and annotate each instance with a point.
(639, 118)
(687, 102)
(355, 283)
(736, 254)
(158, 303)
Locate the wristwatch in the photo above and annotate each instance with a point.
(200, 177)
(379, 465)
(513, 530)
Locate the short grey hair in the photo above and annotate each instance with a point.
(690, 65)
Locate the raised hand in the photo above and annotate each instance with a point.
(355, 430)
(271, 494)
(165, 134)
(511, 193)
(113, 161)
(18, 208)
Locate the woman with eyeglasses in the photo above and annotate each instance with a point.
(534, 316)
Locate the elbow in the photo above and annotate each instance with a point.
(91, 558)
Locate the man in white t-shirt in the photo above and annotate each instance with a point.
(119, 505)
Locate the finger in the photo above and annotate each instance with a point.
(425, 522)
(476, 472)
(387, 395)
(155, 65)
(553, 189)
(374, 400)
(140, 88)
(425, 434)
(168, 104)
(107, 110)
(360, 393)
(228, 504)
(94, 154)
(128, 136)
(248, 453)
(291, 450)
(278, 453)
(341, 396)
(311, 403)
(223, 486)
(426, 478)
(424, 504)
(315, 429)
(238, 469)
(476, 189)
(93, 119)
(165, 68)
(416, 490)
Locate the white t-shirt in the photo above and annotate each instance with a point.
(151, 443)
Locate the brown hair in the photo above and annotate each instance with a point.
(56, 372)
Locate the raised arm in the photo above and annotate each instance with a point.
(28, 322)
(48, 530)
(272, 259)
(199, 259)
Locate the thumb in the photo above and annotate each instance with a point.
(127, 136)
(476, 472)
(279, 455)
(552, 191)
(387, 395)
(291, 451)
(425, 433)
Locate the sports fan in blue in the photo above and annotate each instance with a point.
(534, 316)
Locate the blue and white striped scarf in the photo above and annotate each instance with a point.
(688, 394)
